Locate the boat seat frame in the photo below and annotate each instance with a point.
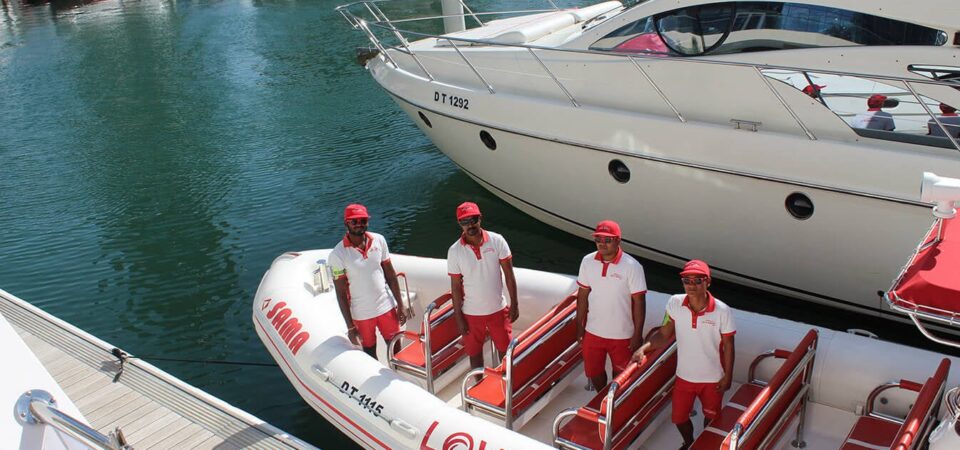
(916, 426)
(620, 433)
(764, 420)
(540, 386)
(437, 314)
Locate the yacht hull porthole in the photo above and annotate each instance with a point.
(424, 118)
(488, 140)
(619, 171)
(799, 206)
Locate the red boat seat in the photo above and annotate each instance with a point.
(871, 432)
(640, 393)
(446, 349)
(750, 399)
(539, 357)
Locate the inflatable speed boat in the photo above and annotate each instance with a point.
(795, 385)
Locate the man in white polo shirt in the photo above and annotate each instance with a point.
(361, 273)
(475, 263)
(704, 329)
(611, 305)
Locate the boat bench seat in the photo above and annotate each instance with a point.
(535, 362)
(764, 409)
(622, 411)
(872, 432)
(440, 330)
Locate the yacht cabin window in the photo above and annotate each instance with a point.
(736, 27)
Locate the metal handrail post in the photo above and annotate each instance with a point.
(508, 397)
(376, 42)
(384, 19)
(555, 80)
(608, 419)
(555, 7)
(657, 88)
(931, 114)
(784, 103)
(348, 17)
(403, 41)
(474, 69)
(464, 4)
(47, 414)
(427, 347)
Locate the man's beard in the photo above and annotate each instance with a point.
(472, 231)
(357, 231)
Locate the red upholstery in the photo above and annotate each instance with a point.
(533, 364)
(872, 431)
(884, 433)
(931, 277)
(632, 415)
(717, 433)
(929, 397)
(442, 334)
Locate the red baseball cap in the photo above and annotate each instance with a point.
(467, 209)
(947, 109)
(813, 88)
(355, 211)
(876, 100)
(695, 267)
(607, 228)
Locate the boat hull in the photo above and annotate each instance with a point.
(681, 201)
(380, 409)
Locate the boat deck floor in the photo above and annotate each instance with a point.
(153, 409)
(825, 426)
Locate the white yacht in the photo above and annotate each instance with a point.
(687, 122)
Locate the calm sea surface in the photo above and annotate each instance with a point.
(158, 155)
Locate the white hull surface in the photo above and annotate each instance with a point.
(304, 331)
(700, 186)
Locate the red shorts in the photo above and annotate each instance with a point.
(388, 323)
(683, 394)
(595, 351)
(497, 325)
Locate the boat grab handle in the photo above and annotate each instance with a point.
(38, 407)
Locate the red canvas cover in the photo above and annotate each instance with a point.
(932, 279)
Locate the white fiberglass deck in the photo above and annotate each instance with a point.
(151, 407)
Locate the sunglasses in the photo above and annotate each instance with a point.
(469, 221)
(603, 239)
(356, 222)
(693, 281)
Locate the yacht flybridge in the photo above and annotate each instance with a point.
(688, 122)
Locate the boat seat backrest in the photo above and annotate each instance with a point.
(638, 388)
(441, 324)
(760, 417)
(539, 345)
(538, 359)
(875, 432)
(640, 392)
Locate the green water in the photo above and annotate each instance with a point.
(158, 155)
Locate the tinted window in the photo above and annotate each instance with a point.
(756, 26)
(781, 26)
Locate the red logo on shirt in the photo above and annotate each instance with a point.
(616, 275)
(709, 322)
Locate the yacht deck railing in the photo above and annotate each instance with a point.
(367, 15)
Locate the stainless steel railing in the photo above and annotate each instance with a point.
(367, 15)
(38, 407)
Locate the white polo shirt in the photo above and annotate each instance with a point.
(480, 269)
(610, 314)
(698, 338)
(367, 287)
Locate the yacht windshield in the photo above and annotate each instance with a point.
(736, 27)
